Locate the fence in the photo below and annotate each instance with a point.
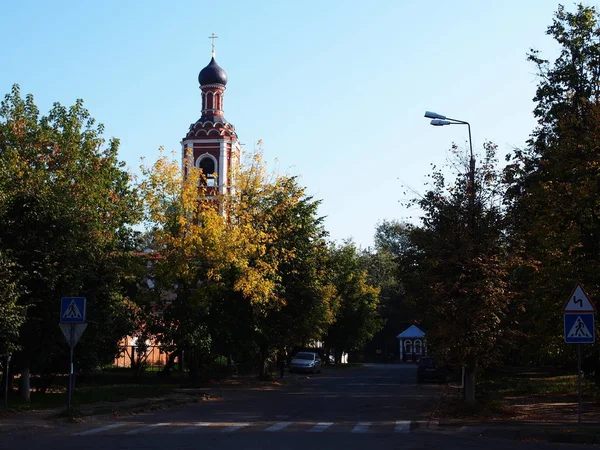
(154, 356)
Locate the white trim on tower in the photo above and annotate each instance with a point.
(222, 167)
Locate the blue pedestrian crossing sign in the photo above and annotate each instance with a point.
(579, 328)
(72, 309)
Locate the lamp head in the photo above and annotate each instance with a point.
(432, 115)
(440, 123)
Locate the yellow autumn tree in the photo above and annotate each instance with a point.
(207, 248)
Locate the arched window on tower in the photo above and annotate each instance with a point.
(207, 165)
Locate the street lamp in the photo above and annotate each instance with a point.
(438, 120)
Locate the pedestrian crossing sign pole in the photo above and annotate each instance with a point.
(579, 328)
(72, 324)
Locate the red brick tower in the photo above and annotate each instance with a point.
(213, 140)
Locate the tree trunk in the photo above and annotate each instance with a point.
(169, 365)
(262, 367)
(469, 384)
(229, 364)
(25, 386)
(193, 365)
(181, 361)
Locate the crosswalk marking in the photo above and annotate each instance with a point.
(397, 426)
(278, 426)
(321, 426)
(362, 427)
(99, 430)
(147, 428)
(191, 428)
(402, 426)
(232, 428)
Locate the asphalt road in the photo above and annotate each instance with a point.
(375, 406)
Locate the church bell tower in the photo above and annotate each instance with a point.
(211, 141)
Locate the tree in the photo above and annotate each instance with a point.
(241, 270)
(455, 270)
(391, 236)
(357, 318)
(308, 299)
(190, 248)
(285, 222)
(554, 183)
(66, 210)
(382, 266)
(11, 313)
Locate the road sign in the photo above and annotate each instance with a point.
(579, 328)
(72, 309)
(579, 302)
(72, 332)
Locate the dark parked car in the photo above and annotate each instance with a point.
(429, 369)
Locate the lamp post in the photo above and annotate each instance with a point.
(439, 120)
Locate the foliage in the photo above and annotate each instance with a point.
(554, 183)
(456, 267)
(357, 318)
(11, 313)
(308, 299)
(66, 207)
(240, 270)
(392, 236)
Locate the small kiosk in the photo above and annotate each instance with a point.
(412, 344)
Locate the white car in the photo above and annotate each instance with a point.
(306, 362)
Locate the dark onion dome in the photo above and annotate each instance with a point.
(212, 74)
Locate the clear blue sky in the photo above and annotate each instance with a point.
(337, 90)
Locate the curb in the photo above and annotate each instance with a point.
(557, 436)
(51, 417)
(555, 433)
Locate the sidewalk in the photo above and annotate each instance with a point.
(566, 432)
(527, 417)
(50, 418)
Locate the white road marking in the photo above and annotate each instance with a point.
(191, 428)
(402, 426)
(321, 426)
(234, 427)
(100, 430)
(147, 428)
(362, 427)
(279, 426)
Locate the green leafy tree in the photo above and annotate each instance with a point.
(383, 271)
(357, 318)
(308, 299)
(456, 269)
(65, 213)
(11, 313)
(554, 183)
(392, 237)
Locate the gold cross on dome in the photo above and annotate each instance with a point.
(213, 37)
